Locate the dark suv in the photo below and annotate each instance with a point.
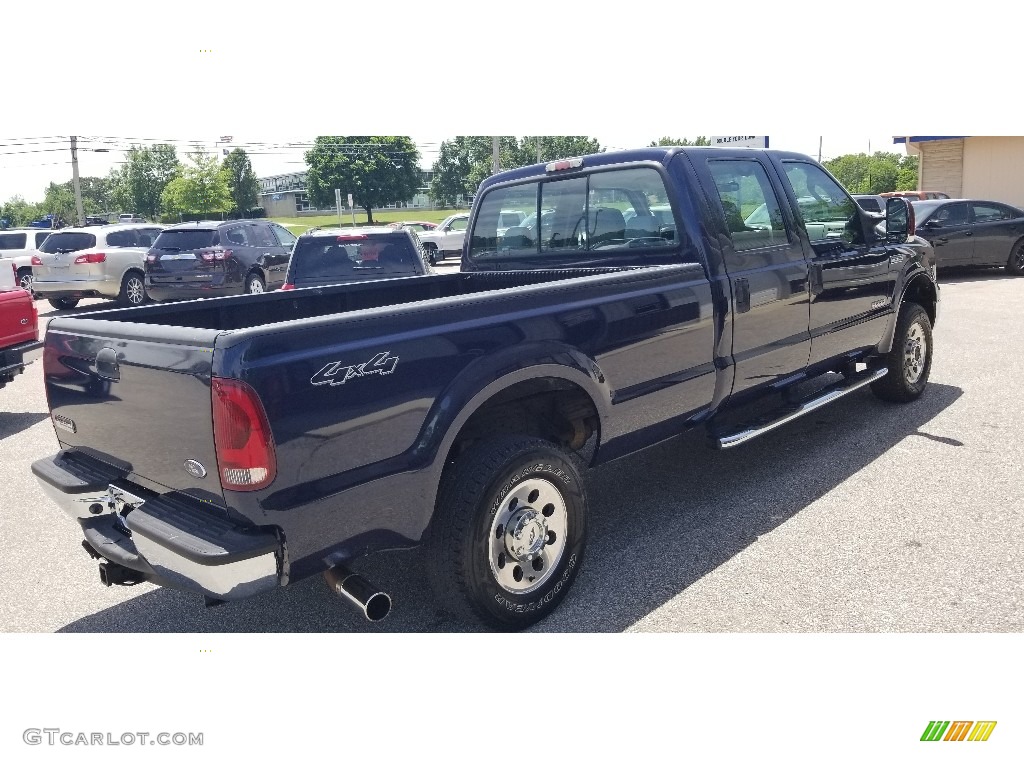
(217, 258)
(329, 256)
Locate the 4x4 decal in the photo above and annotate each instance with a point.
(337, 374)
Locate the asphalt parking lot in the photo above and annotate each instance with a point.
(863, 517)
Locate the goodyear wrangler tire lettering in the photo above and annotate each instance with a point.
(509, 531)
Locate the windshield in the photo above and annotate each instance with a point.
(320, 259)
(186, 239)
(66, 242)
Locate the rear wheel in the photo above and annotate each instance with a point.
(254, 284)
(25, 278)
(509, 531)
(133, 290)
(431, 252)
(1015, 264)
(910, 359)
(63, 302)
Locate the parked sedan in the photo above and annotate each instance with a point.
(331, 256)
(973, 232)
(105, 262)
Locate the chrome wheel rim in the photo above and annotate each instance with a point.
(25, 281)
(1018, 260)
(527, 536)
(255, 286)
(135, 291)
(915, 353)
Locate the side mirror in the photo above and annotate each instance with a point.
(899, 219)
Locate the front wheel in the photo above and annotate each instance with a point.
(1015, 264)
(254, 284)
(63, 302)
(910, 359)
(509, 531)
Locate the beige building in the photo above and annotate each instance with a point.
(984, 167)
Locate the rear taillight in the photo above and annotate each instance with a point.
(241, 433)
(36, 261)
(151, 257)
(91, 258)
(288, 287)
(215, 255)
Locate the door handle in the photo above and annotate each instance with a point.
(968, 234)
(741, 288)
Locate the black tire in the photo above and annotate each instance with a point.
(133, 290)
(1015, 263)
(63, 302)
(910, 359)
(432, 254)
(470, 559)
(254, 284)
(25, 278)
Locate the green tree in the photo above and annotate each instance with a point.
(19, 213)
(870, 174)
(242, 182)
(375, 170)
(668, 141)
(465, 161)
(96, 198)
(200, 188)
(139, 185)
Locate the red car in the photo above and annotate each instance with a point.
(19, 333)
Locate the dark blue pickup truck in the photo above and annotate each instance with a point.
(229, 446)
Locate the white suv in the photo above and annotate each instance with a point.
(20, 245)
(105, 261)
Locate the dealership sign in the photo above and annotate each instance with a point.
(761, 142)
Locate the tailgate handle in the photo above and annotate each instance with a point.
(107, 366)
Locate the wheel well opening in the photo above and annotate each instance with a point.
(922, 292)
(550, 408)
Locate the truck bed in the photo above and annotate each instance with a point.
(235, 313)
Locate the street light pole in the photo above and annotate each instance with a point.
(75, 181)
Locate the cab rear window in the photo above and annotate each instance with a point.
(602, 211)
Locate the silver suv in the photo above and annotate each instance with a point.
(106, 262)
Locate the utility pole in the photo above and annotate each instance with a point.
(75, 182)
(496, 164)
(538, 149)
(819, 148)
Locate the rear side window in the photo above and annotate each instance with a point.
(753, 216)
(66, 242)
(604, 211)
(353, 257)
(40, 236)
(186, 239)
(239, 235)
(124, 238)
(12, 240)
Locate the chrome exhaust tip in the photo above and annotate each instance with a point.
(374, 603)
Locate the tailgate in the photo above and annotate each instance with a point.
(140, 402)
(19, 321)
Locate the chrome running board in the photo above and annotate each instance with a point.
(788, 413)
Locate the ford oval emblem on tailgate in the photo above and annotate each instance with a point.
(194, 468)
